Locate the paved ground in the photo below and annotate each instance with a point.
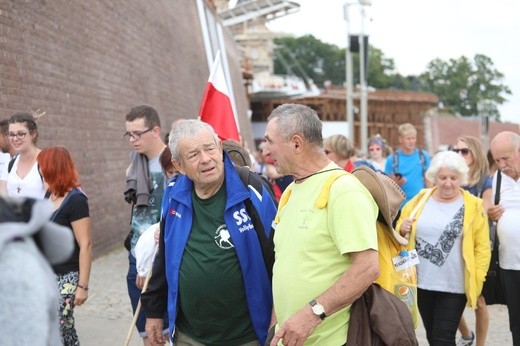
(106, 317)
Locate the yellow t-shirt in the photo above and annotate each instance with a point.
(312, 247)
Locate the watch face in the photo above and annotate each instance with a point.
(318, 309)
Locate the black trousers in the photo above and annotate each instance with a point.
(440, 313)
(512, 291)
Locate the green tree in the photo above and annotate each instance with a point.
(462, 84)
(308, 57)
(381, 71)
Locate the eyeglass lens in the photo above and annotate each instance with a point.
(18, 135)
(134, 135)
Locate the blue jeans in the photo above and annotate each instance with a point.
(135, 293)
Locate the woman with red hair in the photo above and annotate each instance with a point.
(71, 210)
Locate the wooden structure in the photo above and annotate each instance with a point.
(387, 109)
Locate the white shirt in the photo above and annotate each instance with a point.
(508, 226)
(31, 186)
(439, 245)
(4, 161)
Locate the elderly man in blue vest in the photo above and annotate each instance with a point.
(213, 269)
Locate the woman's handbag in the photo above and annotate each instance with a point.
(493, 290)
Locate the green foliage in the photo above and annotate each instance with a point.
(309, 57)
(460, 84)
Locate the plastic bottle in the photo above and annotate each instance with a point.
(406, 287)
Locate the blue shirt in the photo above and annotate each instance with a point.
(411, 167)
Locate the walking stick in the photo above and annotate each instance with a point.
(138, 308)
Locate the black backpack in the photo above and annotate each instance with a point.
(258, 181)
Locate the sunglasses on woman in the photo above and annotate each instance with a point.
(463, 151)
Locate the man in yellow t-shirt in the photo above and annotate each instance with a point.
(325, 244)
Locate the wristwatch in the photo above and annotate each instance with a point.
(318, 309)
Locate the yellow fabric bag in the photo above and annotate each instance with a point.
(402, 284)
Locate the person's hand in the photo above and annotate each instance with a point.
(297, 328)
(139, 281)
(154, 327)
(495, 212)
(398, 178)
(406, 226)
(81, 296)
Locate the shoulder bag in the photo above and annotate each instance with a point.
(493, 290)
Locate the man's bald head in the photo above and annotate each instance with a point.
(505, 148)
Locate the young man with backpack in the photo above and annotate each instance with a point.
(408, 163)
(144, 191)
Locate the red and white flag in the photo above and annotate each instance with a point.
(216, 108)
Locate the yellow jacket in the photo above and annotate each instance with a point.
(476, 251)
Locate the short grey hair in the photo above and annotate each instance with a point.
(187, 129)
(450, 160)
(298, 119)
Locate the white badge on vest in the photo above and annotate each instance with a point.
(405, 259)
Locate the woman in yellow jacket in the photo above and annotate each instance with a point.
(448, 228)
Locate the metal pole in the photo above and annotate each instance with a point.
(349, 77)
(363, 83)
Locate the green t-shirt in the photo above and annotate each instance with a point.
(312, 247)
(212, 301)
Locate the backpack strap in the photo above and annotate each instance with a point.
(422, 158)
(323, 198)
(71, 192)
(256, 180)
(11, 164)
(497, 187)
(395, 165)
(423, 161)
(259, 182)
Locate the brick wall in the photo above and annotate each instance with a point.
(86, 63)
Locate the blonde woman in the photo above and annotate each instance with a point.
(479, 184)
(340, 150)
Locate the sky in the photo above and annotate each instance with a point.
(415, 32)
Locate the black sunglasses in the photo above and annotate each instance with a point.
(463, 151)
